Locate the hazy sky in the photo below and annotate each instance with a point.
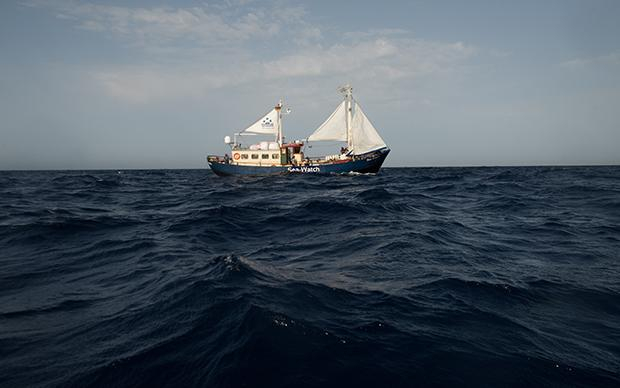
(136, 84)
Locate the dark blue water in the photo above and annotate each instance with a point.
(415, 277)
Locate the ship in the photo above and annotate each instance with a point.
(363, 150)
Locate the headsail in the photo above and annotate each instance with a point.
(267, 124)
(334, 128)
(365, 137)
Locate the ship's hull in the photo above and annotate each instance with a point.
(367, 163)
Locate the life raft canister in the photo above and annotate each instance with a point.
(236, 156)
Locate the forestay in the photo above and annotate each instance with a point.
(267, 124)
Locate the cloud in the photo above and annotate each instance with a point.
(396, 58)
(201, 25)
(336, 59)
(580, 63)
(379, 59)
(375, 32)
(194, 51)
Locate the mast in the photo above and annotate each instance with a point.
(347, 90)
(278, 108)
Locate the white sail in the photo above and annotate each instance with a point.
(334, 128)
(364, 136)
(267, 124)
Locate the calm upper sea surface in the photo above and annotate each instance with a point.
(414, 277)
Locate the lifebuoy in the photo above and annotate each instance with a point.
(236, 156)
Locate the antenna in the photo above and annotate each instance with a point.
(347, 90)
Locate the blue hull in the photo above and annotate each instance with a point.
(367, 163)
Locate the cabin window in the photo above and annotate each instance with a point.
(265, 156)
(275, 156)
(244, 156)
(254, 156)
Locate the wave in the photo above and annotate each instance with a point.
(426, 276)
(87, 180)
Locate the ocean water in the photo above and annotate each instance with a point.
(413, 277)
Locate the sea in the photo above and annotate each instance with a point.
(415, 277)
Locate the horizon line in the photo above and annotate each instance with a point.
(390, 167)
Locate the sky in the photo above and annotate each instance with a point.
(137, 84)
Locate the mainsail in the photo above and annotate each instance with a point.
(365, 137)
(362, 137)
(267, 124)
(334, 128)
